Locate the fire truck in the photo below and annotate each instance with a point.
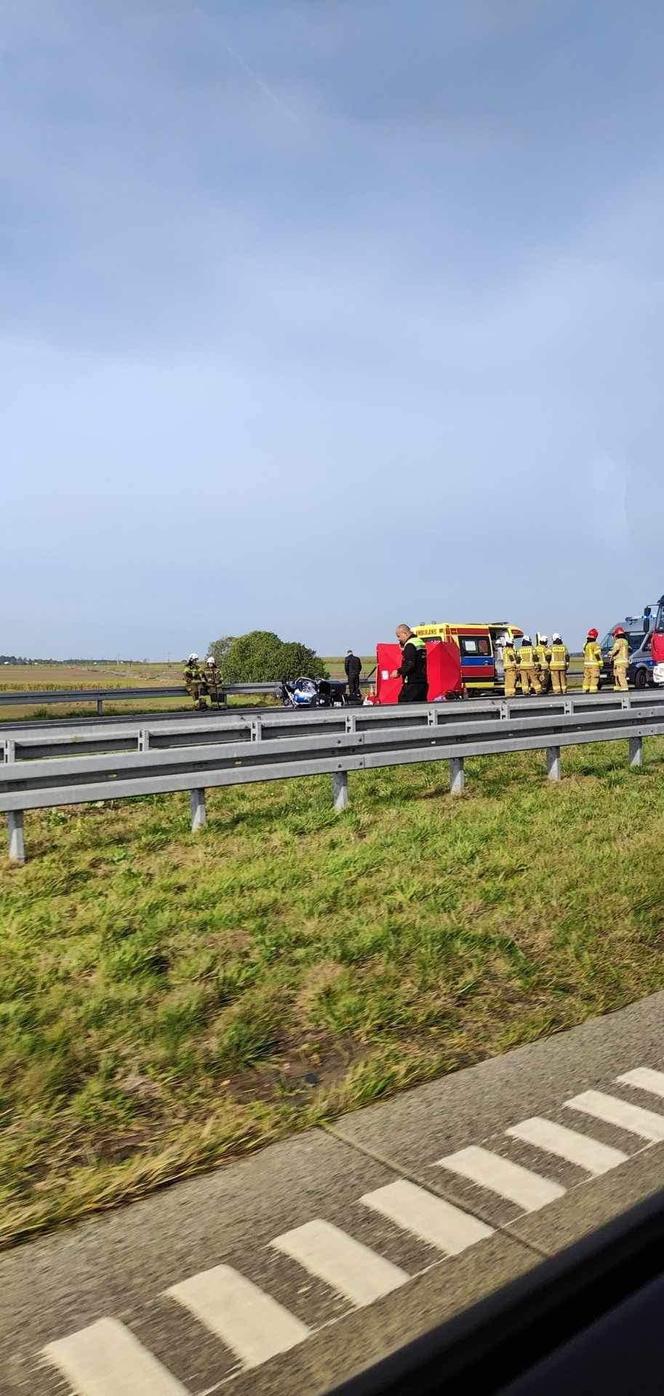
(480, 644)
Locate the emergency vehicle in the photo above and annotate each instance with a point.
(639, 631)
(480, 645)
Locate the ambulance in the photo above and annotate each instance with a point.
(480, 646)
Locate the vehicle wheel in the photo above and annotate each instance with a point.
(641, 678)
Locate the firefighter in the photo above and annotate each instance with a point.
(592, 662)
(413, 668)
(510, 667)
(620, 659)
(542, 658)
(212, 679)
(194, 681)
(527, 673)
(558, 664)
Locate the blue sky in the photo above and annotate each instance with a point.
(321, 315)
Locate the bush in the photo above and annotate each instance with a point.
(261, 656)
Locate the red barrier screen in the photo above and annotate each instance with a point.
(443, 670)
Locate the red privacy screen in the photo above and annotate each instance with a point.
(443, 671)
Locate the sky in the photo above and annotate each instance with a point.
(324, 315)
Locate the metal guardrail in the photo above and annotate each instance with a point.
(26, 698)
(26, 741)
(59, 767)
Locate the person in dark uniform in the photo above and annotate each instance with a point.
(353, 667)
(413, 669)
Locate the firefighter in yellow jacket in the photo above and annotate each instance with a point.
(542, 656)
(510, 666)
(212, 679)
(194, 682)
(592, 662)
(620, 659)
(527, 671)
(558, 664)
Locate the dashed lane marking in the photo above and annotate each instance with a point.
(568, 1144)
(430, 1218)
(347, 1266)
(613, 1111)
(105, 1359)
(644, 1079)
(519, 1185)
(252, 1324)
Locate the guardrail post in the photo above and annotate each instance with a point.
(16, 838)
(9, 750)
(635, 753)
(143, 739)
(100, 707)
(553, 766)
(198, 810)
(340, 790)
(256, 729)
(457, 775)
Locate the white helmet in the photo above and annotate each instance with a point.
(192, 656)
(544, 639)
(556, 639)
(210, 659)
(526, 640)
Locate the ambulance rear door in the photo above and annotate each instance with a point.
(478, 668)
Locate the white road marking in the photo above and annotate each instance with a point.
(510, 1180)
(344, 1264)
(249, 1321)
(619, 1112)
(105, 1359)
(427, 1216)
(645, 1079)
(568, 1144)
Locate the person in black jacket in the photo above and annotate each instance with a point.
(413, 669)
(353, 667)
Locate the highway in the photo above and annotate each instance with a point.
(10, 728)
(289, 1271)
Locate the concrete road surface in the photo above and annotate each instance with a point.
(293, 1269)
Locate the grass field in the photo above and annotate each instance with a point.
(168, 1001)
(46, 678)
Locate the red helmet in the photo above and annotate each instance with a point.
(592, 634)
(619, 630)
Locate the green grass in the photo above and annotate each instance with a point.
(168, 1001)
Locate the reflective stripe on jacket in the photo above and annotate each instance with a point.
(592, 654)
(620, 651)
(559, 657)
(414, 665)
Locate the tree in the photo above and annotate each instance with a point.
(261, 656)
(220, 648)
